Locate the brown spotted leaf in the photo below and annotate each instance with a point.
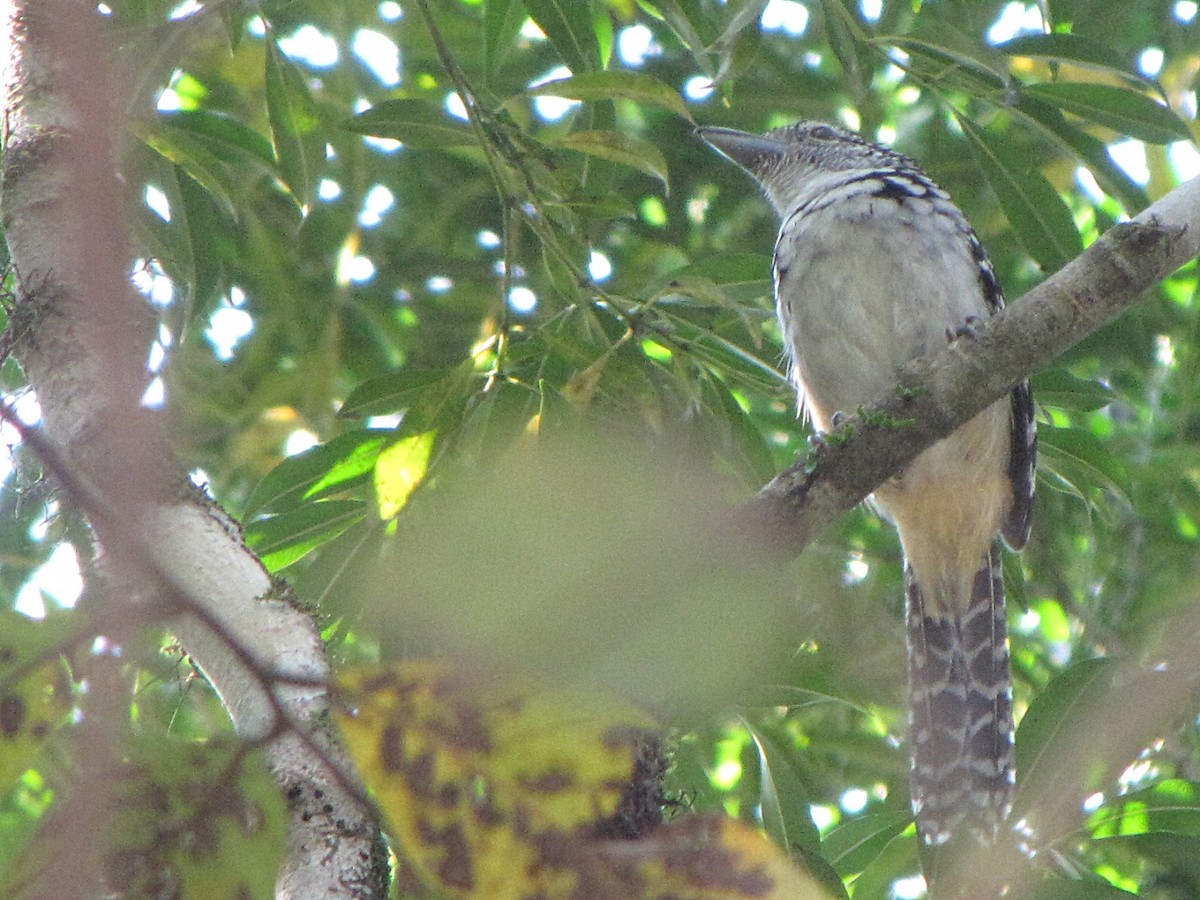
(493, 791)
(478, 781)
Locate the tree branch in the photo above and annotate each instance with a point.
(937, 394)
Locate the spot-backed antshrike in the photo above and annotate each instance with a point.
(874, 266)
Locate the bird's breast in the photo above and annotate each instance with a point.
(864, 286)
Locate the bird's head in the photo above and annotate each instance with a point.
(787, 161)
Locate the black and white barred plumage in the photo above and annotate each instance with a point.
(874, 266)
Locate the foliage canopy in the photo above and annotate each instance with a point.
(470, 332)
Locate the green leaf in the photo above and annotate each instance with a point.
(1093, 888)
(196, 161)
(846, 40)
(722, 354)
(784, 806)
(736, 48)
(299, 145)
(227, 138)
(896, 858)
(597, 207)
(1048, 739)
(281, 540)
(1071, 48)
(568, 26)
(400, 468)
(680, 21)
(234, 16)
(744, 439)
(1091, 150)
(949, 67)
(502, 21)
(784, 802)
(741, 278)
(497, 419)
(1058, 387)
(1171, 806)
(856, 843)
(619, 148)
(743, 18)
(417, 123)
(1121, 109)
(591, 86)
(1082, 461)
(1037, 213)
(333, 465)
(400, 390)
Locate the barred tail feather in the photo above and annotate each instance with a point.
(961, 710)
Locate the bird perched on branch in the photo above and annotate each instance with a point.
(874, 267)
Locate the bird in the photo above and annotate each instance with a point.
(873, 267)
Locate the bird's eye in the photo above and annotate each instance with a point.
(823, 133)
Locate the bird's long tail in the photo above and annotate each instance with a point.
(961, 709)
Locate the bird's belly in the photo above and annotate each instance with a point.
(856, 309)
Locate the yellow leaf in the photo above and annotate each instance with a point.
(399, 470)
(499, 793)
(479, 780)
(716, 858)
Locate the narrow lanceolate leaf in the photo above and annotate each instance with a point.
(200, 165)
(1122, 110)
(1068, 48)
(568, 25)
(619, 148)
(1037, 213)
(737, 51)
(299, 146)
(1112, 178)
(858, 842)
(743, 15)
(784, 802)
(398, 471)
(282, 540)
(1052, 726)
(423, 393)
(681, 21)
(1058, 387)
(225, 137)
(841, 25)
(1169, 807)
(611, 85)
(1081, 459)
(417, 123)
(948, 67)
(334, 465)
(785, 812)
(502, 20)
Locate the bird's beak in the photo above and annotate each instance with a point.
(750, 151)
